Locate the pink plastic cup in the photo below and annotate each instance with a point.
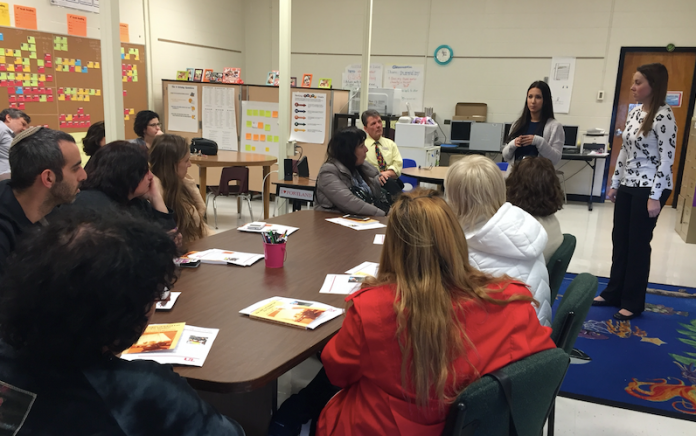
(274, 254)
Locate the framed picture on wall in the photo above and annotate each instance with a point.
(272, 78)
(191, 73)
(198, 75)
(293, 82)
(207, 74)
(182, 75)
(306, 81)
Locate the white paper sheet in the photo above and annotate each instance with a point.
(352, 76)
(308, 117)
(355, 225)
(561, 83)
(411, 80)
(82, 5)
(379, 239)
(182, 101)
(167, 305)
(215, 256)
(341, 284)
(364, 269)
(193, 348)
(220, 117)
(268, 228)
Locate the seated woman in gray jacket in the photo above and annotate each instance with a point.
(343, 171)
(536, 132)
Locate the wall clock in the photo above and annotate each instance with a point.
(443, 54)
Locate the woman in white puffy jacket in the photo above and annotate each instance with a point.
(502, 238)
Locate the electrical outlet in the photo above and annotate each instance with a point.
(600, 95)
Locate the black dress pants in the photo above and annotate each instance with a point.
(630, 260)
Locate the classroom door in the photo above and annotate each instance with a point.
(681, 66)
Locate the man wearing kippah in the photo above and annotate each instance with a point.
(46, 171)
(14, 122)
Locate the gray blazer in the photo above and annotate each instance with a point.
(550, 145)
(333, 190)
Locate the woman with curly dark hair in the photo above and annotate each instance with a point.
(533, 186)
(95, 138)
(78, 292)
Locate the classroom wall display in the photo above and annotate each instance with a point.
(351, 78)
(57, 79)
(182, 113)
(219, 116)
(308, 119)
(133, 72)
(260, 130)
(561, 83)
(411, 80)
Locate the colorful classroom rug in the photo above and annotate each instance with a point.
(647, 364)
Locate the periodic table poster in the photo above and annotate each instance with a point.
(260, 130)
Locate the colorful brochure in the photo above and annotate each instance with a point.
(291, 312)
(192, 349)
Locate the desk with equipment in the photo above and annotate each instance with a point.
(240, 374)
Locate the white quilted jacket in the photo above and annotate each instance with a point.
(512, 242)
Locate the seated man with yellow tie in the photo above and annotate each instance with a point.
(382, 153)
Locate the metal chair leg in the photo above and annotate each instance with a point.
(251, 214)
(552, 420)
(215, 210)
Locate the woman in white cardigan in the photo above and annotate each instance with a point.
(536, 132)
(503, 239)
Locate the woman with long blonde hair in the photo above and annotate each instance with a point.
(170, 159)
(425, 328)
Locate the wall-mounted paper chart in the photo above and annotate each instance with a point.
(308, 117)
(219, 116)
(183, 113)
(260, 128)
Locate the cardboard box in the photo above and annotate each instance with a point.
(471, 112)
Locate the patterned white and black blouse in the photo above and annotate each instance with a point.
(647, 161)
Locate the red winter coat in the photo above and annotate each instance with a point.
(364, 359)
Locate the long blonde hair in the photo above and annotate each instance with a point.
(475, 189)
(165, 154)
(426, 255)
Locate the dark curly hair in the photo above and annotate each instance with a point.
(82, 286)
(533, 186)
(116, 169)
(92, 141)
(142, 119)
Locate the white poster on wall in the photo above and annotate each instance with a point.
(561, 83)
(220, 117)
(183, 108)
(411, 80)
(83, 5)
(308, 118)
(352, 76)
(260, 130)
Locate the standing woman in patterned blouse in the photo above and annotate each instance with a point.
(640, 187)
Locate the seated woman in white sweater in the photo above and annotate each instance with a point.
(502, 238)
(533, 186)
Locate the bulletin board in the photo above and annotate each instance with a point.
(133, 61)
(57, 79)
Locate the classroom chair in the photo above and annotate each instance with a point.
(557, 265)
(241, 189)
(408, 180)
(569, 319)
(513, 400)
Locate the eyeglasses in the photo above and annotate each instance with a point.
(155, 125)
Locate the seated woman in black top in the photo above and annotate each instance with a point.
(345, 182)
(118, 176)
(78, 292)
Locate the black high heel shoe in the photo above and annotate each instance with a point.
(621, 317)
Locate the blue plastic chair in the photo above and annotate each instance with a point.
(407, 180)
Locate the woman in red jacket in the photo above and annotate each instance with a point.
(424, 329)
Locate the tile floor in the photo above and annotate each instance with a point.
(672, 263)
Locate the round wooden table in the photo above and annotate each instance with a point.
(428, 175)
(235, 159)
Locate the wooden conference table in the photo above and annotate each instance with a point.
(248, 355)
(235, 159)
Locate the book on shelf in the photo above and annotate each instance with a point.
(292, 312)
